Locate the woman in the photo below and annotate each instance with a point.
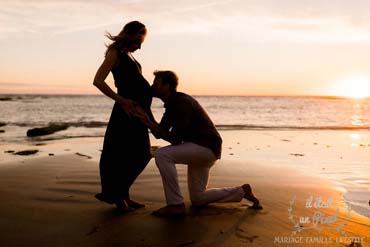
(126, 149)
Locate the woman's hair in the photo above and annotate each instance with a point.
(129, 34)
(168, 77)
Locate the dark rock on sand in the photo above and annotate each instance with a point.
(285, 140)
(51, 154)
(50, 129)
(2, 124)
(27, 152)
(5, 99)
(40, 144)
(2, 131)
(297, 155)
(9, 151)
(83, 155)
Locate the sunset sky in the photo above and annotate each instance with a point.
(231, 47)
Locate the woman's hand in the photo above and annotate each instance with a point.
(128, 105)
(145, 119)
(142, 115)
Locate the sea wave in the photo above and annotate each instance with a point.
(88, 124)
(272, 127)
(102, 124)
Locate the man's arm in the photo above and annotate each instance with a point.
(174, 126)
(181, 120)
(157, 130)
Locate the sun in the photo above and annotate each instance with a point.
(356, 87)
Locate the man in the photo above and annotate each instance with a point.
(194, 142)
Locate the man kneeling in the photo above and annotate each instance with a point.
(194, 142)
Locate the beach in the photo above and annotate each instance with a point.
(286, 84)
(301, 177)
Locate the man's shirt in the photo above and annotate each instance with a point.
(185, 120)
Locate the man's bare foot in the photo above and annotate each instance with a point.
(170, 211)
(133, 204)
(248, 194)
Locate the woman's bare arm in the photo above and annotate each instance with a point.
(99, 81)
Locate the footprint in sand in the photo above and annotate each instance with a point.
(244, 236)
(211, 211)
(95, 229)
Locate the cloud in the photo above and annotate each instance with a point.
(60, 16)
(285, 20)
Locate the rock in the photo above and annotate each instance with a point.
(9, 151)
(83, 155)
(40, 144)
(50, 129)
(27, 152)
(51, 154)
(2, 124)
(2, 131)
(297, 154)
(5, 99)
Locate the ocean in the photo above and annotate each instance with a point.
(87, 116)
(90, 113)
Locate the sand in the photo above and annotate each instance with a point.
(49, 200)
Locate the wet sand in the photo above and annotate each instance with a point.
(49, 200)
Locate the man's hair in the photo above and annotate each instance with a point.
(168, 77)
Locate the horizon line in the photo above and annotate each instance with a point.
(196, 95)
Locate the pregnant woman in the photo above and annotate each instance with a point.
(126, 148)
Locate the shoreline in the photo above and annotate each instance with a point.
(323, 154)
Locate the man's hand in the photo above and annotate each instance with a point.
(145, 119)
(156, 130)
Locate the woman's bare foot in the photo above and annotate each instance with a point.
(171, 211)
(248, 194)
(133, 204)
(122, 207)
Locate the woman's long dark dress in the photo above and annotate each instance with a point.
(126, 149)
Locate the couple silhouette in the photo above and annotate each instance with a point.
(194, 140)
